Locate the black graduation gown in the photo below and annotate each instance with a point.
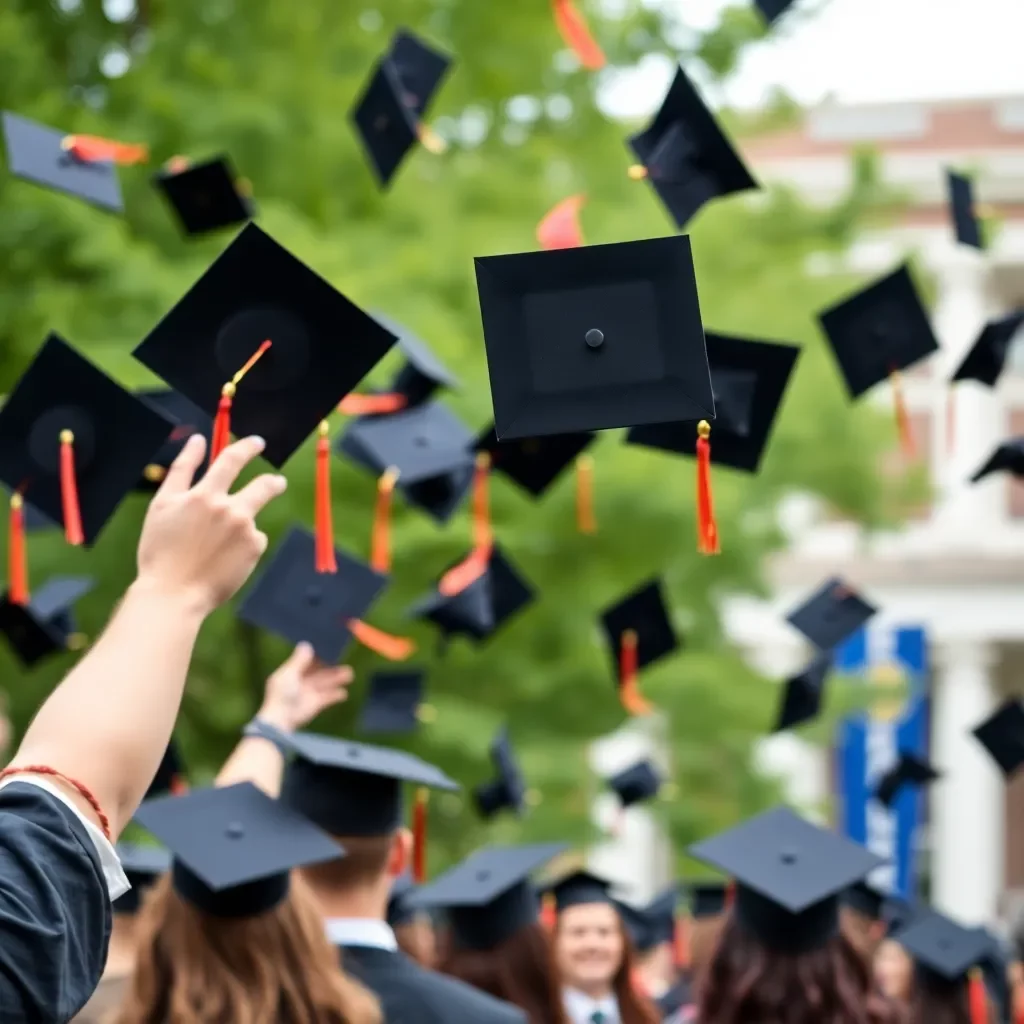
(410, 994)
(54, 908)
(674, 999)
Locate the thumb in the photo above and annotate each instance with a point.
(302, 657)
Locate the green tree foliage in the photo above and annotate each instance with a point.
(271, 83)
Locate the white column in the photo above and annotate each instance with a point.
(967, 802)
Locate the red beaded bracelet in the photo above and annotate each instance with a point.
(83, 791)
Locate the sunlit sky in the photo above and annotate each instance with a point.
(859, 51)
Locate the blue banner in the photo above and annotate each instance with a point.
(868, 745)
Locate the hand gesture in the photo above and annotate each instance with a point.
(301, 688)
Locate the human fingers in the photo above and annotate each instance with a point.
(182, 470)
(258, 493)
(224, 470)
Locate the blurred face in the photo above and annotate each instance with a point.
(589, 946)
(892, 970)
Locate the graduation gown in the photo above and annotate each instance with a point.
(55, 912)
(672, 1001)
(410, 994)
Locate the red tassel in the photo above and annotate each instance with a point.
(419, 836)
(977, 997)
(17, 555)
(586, 522)
(394, 648)
(380, 538)
(371, 405)
(69, 490)
(548, 912)
(324, 520)
(633, 702)
(707, 528)
(681, 942)
(560, 228)
(902, 416)
(577, 36)
(221, 436)
(92, 149)
(471, 568)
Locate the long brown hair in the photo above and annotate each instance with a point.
(934, 1000)
(745, 981)
(279, 966)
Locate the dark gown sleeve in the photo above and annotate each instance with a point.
(54, 909)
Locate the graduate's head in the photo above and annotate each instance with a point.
(861, 917)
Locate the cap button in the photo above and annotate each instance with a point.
(788, 857)
(594, 338)
(354, 752)
(235, 830)
(482, 876)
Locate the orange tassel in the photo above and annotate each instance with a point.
(380, 538)
(419, 836)
(17, 556)
(586, 522)
(69, 490)
(707, 528)
(91, 149)
(681, 942)
(178, 787)
(577, 36)
(902, 416)
(394, 648)
(324, 519)
(633, 701)
(950, 420)
(560, 228)
(548, 912)
(221, 436)
(371, 405)
(471, 568)
(977, 997)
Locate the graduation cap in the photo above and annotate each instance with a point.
(1002, 735)
(206, 196)
(77, 165)
(507, 790)
(789, 877)
(909, 770)
(638, 782)
(941, 946)
(866, 900)
(658, 920)
(831, 614)
(400, 912)
(143, 866)
(961, 207)
(73, 441)
(1007, 458)
(534, 463)
(265, 343)
(488, 897)
(394, 702)
(580, 888)
(802, 697)
(234, 847)
(46, 624)
(772, 10)
(986, 359)
(708, 899)
(897, 914)
(188, 419)
(593, 338)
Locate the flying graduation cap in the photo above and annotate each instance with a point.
(685, 154)
(803, 693)
(205, 196)
(1007, 458)
(986, 359)
(1002, 735)
(909, 770)
(831, 614)
(188, 419)
(45, 624)
(394, 702)
(637, 783)
(966, 224)
(507, 790)
(772, 10)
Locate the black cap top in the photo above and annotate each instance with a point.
(206, 197)
(290, 598)
(233, 847)
(114, 434)
(987, 358)
(789, 876)
(508, 787)
(637, 783)
(488, 897)
(1007, 458)
(644, 611)
(748, 379)
(908, 770)
(707, 899)
(803, 694)
(420, 69)
(773, 9)
(322, 345)
(38, 154)
(171, 775)
(1002, 735)
(46, 625)
(942, 946)
(188, 419)
(961, 207)
(142, 866)
(352, 789)
(688, 157)
(865, 900)
(654, 924)
(393, 702)
(592, 338)
(881, 329)
(423, 373)
(831, 614)
(534, 463)
(399, 911)
(580, 888)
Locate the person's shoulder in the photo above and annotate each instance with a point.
(107, 998)
(455, 1001)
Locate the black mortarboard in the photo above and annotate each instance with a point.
(789, 876)
(578, 889)
(46, 625)
(897, 914)
(644, 611)
(961, 206)
(1002, 735)
(142, 866)
(707, 899)
(188, 418)
(689, 159)
(879, 330)
(803, 693)
(638, 782)
(114, 435)
(987, 357)
(654, 924)
(206, 197)
(909, 770)
(399, 911)
(34, 520)
(39, 154)
(534, 463)
(773, 9)
(865, 899)
(488, 897)
(234, 847)
(831, 614)
(1007, 458)
(322, 345)
(170, 776)
(592, 338)
(748, 380)
(636, 924)
(420, 69)
(508, 787)
(393, 702)
(422, 373)
(943, 947)
(290, 598)
(353, 789)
